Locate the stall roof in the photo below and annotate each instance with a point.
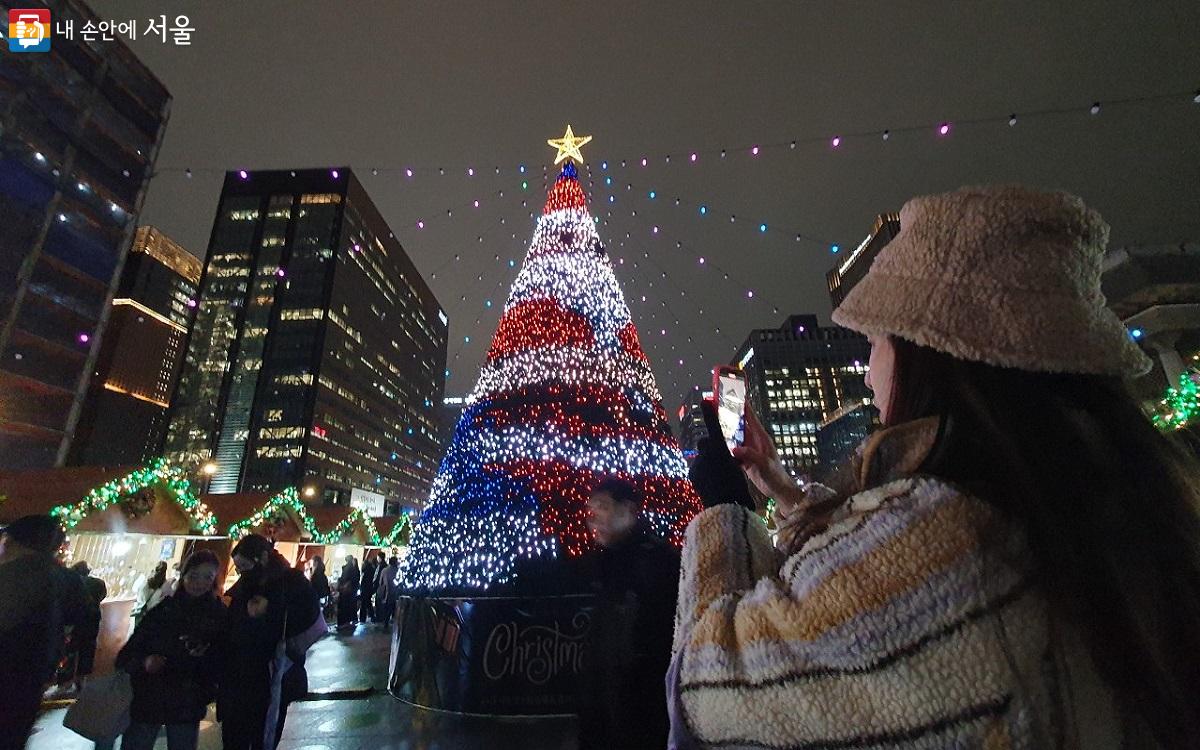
(328, 516)
(109, 499)
(234, 507)
(386, 524)
(38, 490)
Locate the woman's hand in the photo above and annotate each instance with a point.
(257, 606)
(153, 664)
(760, 461)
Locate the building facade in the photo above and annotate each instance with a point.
(1155, 290)
(80, 128)
(452, 409)
(843, 431)
(854, 266)
(691, 421)
(124, 416)
(318, 354)
(798, 375)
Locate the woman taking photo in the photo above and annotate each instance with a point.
(1010, 562)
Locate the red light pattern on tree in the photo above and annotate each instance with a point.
(539, 323)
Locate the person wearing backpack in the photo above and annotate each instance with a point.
(272, 607)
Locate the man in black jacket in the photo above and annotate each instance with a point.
(270, 602)
(635, 576)
(40, 601)
(88, 632)
(370, 570)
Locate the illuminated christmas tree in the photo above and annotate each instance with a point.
(565, 398)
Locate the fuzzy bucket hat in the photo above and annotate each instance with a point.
(1004, 275)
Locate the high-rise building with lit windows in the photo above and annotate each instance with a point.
(124, 415)
(80, 128)
(318, 355)
(797, 376)
(691, 421)
(853, 266)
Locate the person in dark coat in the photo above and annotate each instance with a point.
(348, 583)
(88, 633)
(40, 601)
(270, 602)
(366, 597)
(635, 577)
(174, 659)
(320, 581)
(385, 593)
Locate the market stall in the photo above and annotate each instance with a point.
(122, 521)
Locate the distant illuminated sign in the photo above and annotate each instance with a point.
(745, 359)
(371, 503)
(442, 317)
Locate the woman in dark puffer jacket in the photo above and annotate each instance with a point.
(174, 659)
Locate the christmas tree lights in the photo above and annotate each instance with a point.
(565, 398)
(160, 471)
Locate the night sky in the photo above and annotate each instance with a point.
(390, 85)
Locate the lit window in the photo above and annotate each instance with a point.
(321, 198)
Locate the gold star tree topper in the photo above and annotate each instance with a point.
(568, 146)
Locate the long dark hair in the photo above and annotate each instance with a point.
(1109, 504)
(159, 577)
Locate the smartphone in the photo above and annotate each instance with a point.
(729, 395)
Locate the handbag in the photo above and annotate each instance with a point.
(288, 651)
(102, 710)
(302, 642)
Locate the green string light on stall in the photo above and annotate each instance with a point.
(1180, 405)
(290, 499)
(158, 471)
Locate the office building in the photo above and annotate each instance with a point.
(318, 355)
(1155, 290)
(124, 416)
(691, 421)
(850, 270)
(842, 432)
(799, 374)
(80, 128)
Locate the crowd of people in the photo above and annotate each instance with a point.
(1013, 560)
(367, 595)
(189, 647)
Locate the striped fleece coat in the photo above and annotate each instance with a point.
(907, 617)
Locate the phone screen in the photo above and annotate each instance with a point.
(731, 406)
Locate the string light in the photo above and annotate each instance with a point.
(159, 471)
(1180, 404)
(289, 499)
(694, 154)
(566, 397)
